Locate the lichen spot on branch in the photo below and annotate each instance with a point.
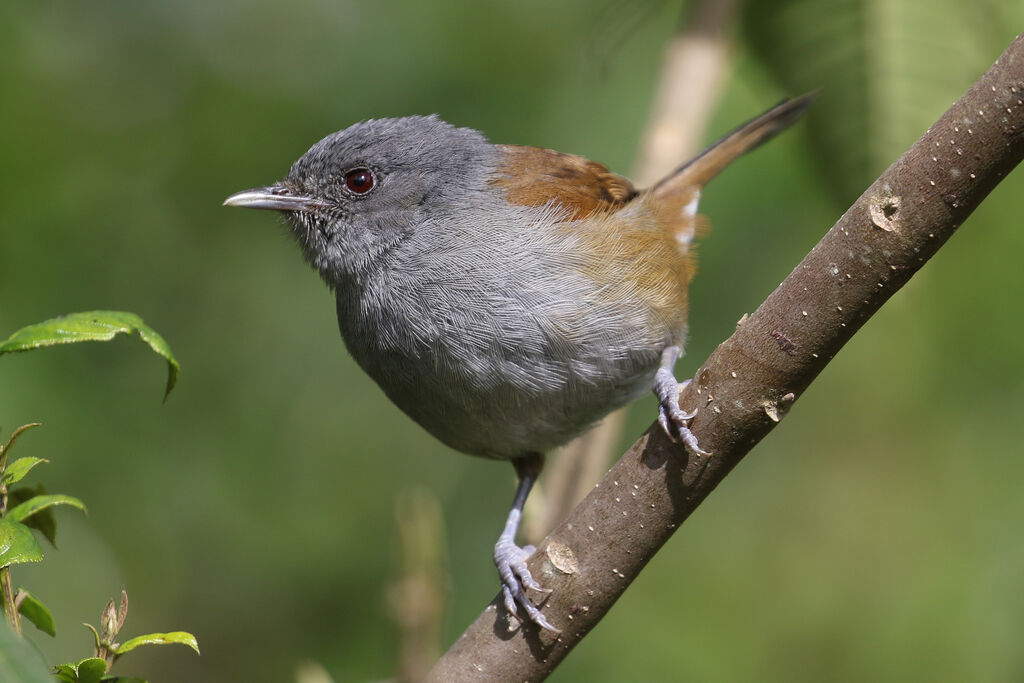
(885, 212)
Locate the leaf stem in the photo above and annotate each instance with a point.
(6, 587)
(9, 607)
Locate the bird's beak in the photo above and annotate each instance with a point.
(275, 197)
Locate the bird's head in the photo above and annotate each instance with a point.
(360, 192)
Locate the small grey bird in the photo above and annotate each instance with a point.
(506, 298)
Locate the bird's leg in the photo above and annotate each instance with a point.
(673, 419)
(510, 559)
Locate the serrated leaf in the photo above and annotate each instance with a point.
(17, 470)
(23, 511)
(35, 611)
(91, 670)
(17, 544)
(91, 326)
(179, 637)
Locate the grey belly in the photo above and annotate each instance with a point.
(484, 408)
(502, 370)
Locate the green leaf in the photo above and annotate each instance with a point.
(23, 511)
(17, 544)
(17, 470)
(180, 637)
(35, 611)
(91, 670)
(95, 634)
(43, 521)
(91, 326)
(66, 673)
(19, 660)
(6, 448)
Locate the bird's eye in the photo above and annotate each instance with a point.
(360, 180)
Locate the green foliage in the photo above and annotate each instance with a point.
(172, 638)
(17, 470)
(37, 504)
(6, 477)
(17, 544)
(42, 520)
(27, 507)
(108, 650)
(35, 611)
(24, 508)
(91, 326)
(88, 670)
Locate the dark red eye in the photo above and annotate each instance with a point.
(360, 180)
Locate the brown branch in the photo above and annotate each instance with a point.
(752, 379)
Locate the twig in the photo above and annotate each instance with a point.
(752, 379)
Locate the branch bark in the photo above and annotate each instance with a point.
(753, 378)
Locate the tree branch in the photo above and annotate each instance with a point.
(752, 379)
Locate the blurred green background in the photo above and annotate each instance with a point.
(875, 535)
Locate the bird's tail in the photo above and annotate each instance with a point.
(697, 172)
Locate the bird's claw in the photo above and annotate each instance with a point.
(516, 579)
(674, 420)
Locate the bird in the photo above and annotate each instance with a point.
(505, 297)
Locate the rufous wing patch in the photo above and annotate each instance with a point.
(532, 176)
(639, 244)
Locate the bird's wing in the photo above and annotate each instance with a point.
(532, 176)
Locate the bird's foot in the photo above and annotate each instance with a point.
(516, 579)
(673, 419)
